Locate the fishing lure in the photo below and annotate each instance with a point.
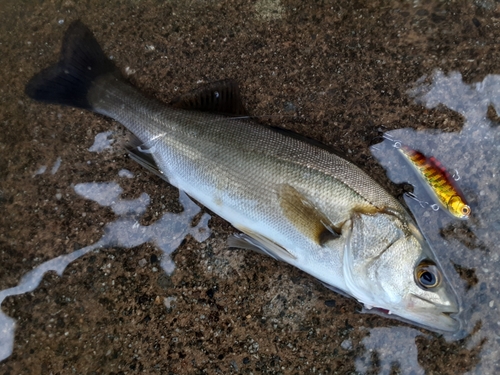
(438, 181)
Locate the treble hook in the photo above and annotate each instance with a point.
(414, 197)
(422, 204)
(396, 143)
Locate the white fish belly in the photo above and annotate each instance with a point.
(261, 214)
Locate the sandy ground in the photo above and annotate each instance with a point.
(337, 72)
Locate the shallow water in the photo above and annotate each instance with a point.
(468, 245)
(387, 343)
(126, 232)
(342, 73)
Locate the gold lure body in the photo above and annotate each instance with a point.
(438, 182)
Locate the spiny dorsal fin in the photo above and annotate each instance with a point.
(307, 218)
(217, 97)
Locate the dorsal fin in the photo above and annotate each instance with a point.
(217, 97)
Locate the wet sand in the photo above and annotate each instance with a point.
(338, 73)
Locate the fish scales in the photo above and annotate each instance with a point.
(207, 149)
(291, 199)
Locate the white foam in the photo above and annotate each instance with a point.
(102, 141)
(104, 193)
(56, 165)
(167, 233)
(125, 173)
(40, 170)
(383, 342)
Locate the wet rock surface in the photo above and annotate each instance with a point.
(338, 73)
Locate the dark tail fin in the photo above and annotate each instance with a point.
(68, 81)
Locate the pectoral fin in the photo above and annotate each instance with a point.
(256, 242)
(306, 217)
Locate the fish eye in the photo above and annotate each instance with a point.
(427, 275)
(466, 210)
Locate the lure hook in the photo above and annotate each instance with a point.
(395, 142)
(414, 197)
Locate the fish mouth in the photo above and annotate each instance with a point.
(451, 308)
(441, 322)
(381, 310)
(436, 318)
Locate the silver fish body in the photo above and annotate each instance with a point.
(292, 200)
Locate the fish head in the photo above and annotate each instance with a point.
(458, 208)
(389, 266)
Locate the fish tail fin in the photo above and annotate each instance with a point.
(68, 81)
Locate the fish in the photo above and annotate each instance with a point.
(288, 198)
(438, 182)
